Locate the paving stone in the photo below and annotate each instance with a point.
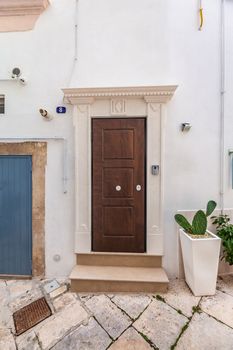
(225, 284)
(64, 300)
(55, 293)
(132, 304)
(206, 333)
(5, 317)
(4, 294)
(25, 299)
(219, 306)
(130, 340)
(85, 296)
(58, 325)
(6, 340)
(20, 287)
(113, 320)
(9, 282)
(110, 295)
(91, 337)
(161, 324)
(180, 297)
(28, 341)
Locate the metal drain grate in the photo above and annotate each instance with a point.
(30, 315)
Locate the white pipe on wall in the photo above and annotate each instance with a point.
(76, 32)
(222, 108)
(8, 79)
(41, 139)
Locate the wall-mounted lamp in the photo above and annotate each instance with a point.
(185, 127)
(45, 114)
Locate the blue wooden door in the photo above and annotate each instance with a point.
(15, 215)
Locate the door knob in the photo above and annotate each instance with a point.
(118, 188)
(138, 188)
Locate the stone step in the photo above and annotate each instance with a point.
(119, 259)
(114, 279)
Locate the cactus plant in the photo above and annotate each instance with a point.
(199, 223)
(183, 222)
(211, 205)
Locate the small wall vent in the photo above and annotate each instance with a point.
(2, 104)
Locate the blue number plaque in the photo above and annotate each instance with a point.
(61, 109)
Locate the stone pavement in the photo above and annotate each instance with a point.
(176, 320)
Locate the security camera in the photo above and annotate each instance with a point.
(45, 114)
(23, 80)
(16, 72)
(16, 75)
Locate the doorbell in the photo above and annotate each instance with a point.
(155, 169)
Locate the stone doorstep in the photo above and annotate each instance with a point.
(119, 259)
(112, 279)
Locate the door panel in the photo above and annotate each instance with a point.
(118, 209)
(122, 147)
(116, 176)
(114, 215)
(15, 215)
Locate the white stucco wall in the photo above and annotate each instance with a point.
(124, 42)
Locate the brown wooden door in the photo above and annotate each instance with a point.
(118, 206)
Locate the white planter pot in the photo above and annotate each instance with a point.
(201, 259)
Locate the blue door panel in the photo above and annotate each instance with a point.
(15, 215)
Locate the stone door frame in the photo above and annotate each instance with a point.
(128, 102)
(38, 151)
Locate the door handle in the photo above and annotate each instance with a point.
(138, 188)
(118, 188)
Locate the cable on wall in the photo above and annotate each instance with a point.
(75, 43)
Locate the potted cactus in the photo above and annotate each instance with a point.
(200, 250)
